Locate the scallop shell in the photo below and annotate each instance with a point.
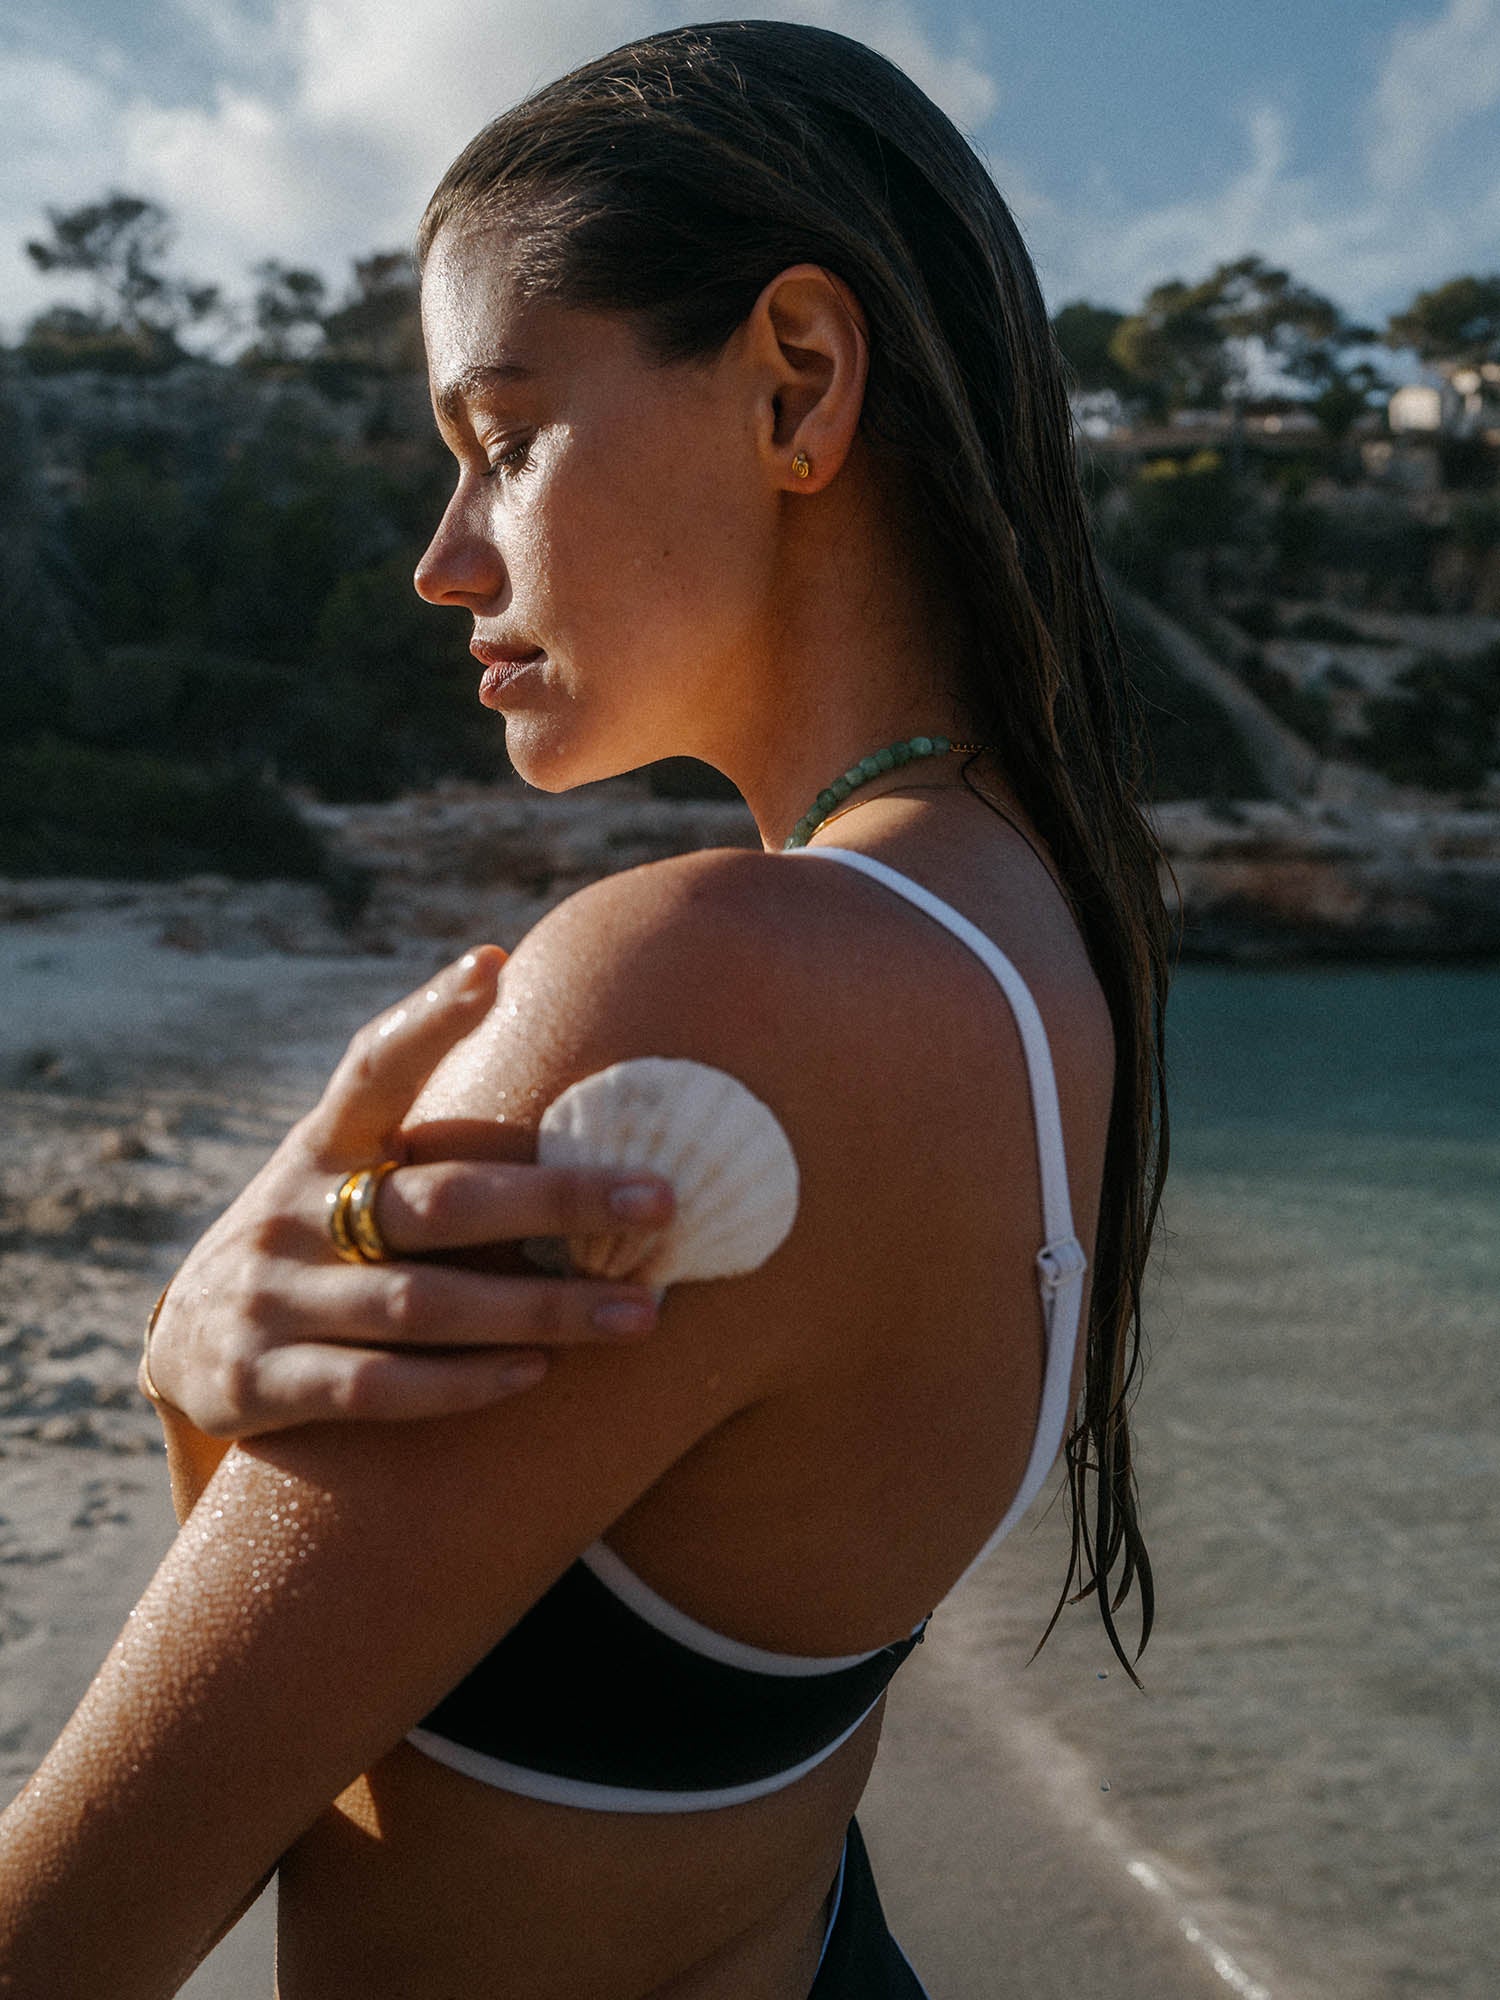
(729, 1162)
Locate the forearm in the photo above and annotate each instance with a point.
(87, 1912)
(144, 1835)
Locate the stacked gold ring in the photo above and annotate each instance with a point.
(351, 1215)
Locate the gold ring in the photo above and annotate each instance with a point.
(147, 1385)
(351, 1215)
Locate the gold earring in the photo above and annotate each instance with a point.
(801, 465)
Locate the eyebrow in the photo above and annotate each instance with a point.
(450, 399)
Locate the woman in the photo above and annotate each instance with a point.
(764, 457)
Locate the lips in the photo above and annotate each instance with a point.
(491, 653)
(504, 666)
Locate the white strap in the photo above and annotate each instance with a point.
(1061, 1263)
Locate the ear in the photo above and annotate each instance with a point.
(810, 339)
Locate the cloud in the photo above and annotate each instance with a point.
(312, 131)
(1438, 75)
(335, 118)
(1367, 241)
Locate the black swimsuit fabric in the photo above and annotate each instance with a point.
(862, 1961)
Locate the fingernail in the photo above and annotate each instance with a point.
(473, 979)
(524, 1374)
(638, 1201)
(622, 1316)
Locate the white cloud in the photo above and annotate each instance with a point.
(332, 119)
(1438, 75)
(1367, 246)
(364, 104)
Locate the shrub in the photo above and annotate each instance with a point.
(1194, 749)
(75, 809)
(1328, 626)
(1439, 726)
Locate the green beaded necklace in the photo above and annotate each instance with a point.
(873, 766)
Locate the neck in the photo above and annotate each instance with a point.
(866, 653)
(782, 796)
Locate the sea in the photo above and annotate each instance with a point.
(1313, 1770)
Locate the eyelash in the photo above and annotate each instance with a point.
(514, 459)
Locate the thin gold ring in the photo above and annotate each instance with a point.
(147, 1384)
(351, 1215)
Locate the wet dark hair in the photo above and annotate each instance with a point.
(672, 180)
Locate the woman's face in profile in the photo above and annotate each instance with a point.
(612, 529)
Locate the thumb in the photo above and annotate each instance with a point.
(391, 1057)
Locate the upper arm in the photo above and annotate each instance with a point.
(334, 1582)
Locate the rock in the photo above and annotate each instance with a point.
(1285, 880)
(122, 1142)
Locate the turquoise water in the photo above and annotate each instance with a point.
(1317, 1764)
(1341, 1054)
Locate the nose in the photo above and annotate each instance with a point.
(462, 564)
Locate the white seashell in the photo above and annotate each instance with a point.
(729, 1162)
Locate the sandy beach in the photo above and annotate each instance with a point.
(144, 1080)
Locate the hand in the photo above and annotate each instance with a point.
(264, 1327)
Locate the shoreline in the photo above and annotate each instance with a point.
(1250, 1811)
(1250, 882)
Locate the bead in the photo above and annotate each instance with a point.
(875, 765)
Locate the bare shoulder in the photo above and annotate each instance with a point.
(714, 956)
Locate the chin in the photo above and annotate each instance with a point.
(549, 759)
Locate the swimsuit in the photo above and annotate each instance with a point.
(606, 1696)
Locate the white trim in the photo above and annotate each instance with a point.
(837, 1904)
(1061, 1264)
(1057, 1208)
(621, 1581)
(585, 1792)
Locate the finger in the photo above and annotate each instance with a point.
(392, 1056)
(432, 1305)
(315, 1383)
(456, 1204)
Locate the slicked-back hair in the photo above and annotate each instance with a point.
(671, 180)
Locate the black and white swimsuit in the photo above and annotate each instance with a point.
(606, 1696)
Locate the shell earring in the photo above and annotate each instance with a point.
(802, 465)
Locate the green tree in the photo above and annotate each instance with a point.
(1174, 349)
(287, 308)
(1084, 333)
(120, 245)
(378, 326)
(1456, 325)
(43, 631)
(1201, 344)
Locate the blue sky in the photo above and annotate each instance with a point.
(1357, 141)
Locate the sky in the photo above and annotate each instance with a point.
(1356, 142)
